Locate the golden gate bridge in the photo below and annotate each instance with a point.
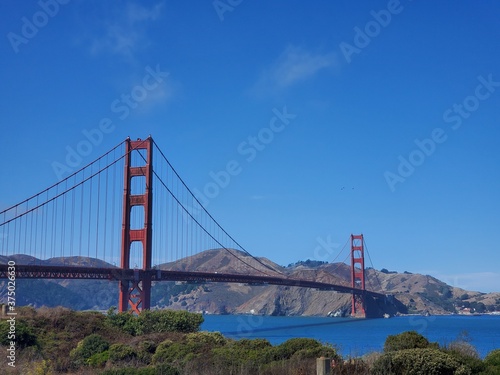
(106, 222)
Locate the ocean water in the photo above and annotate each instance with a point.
(355, 337)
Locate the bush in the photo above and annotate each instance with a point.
(125, 321)
(420, 361)
(289, 347)
(89, 346)
(99, 359)
(493, 358)
(24, 335)
(155, 321)
(42, 367)
(140, 371)
(121, 352)
(170, 321)
(213, 339)
(405, 340)
(255, 344)
(353, 366)
(236, 358)
(165, 369)
(466, 354)
(173, 352)
(321, 351)
(145, 351)
(492, 363)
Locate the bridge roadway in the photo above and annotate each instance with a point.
(76, 272)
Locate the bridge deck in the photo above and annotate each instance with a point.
(71, 272)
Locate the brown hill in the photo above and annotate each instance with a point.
(417, 293)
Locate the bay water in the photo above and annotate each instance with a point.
(356, 337)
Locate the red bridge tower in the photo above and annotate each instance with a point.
(136, 293)
(358, 275)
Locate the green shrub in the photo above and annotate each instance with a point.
(90, 345)
(420, 361)
(163, 369)
(235, 358)
(42, 367)
(290, 347)
(145, 351)
(321, 351)
(98, 359)
(212, 339)
(125, 321)
(170, 321)
(493, 358)
(121, 352)
(157, 321)
(405, 340)
(254, 344)
(492, 363)
(133, 371)
(173, 352)
(147, 346)
(466, 354)
(24, 335)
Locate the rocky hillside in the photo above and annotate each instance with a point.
(414, 293)
(423, 293)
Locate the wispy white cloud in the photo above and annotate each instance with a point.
(138, 13)
(161, 95)
(124, 33)
(293, 66)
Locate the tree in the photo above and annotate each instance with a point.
(23, 334)
(170, 321)
(406, 340)
(492, 362)
(418, 361)
(121, 352)
(289, 347)
(480, 308)
(465, 353)
(157, 321)
(89, 346)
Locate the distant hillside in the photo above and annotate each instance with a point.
(417, 293)
(224, 261)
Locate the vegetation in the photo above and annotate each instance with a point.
(307, 263)
(406, 340)
(385, 270)
(60, 341)
(158, 321)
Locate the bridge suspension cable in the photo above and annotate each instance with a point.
(81, 227)
(77, 220)
(371, 263)
(67, 219)
(207, 219)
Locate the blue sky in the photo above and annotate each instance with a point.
(379, 118)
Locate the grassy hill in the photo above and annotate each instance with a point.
(417, 293)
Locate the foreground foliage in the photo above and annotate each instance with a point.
(157, 321)
(169, 343)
